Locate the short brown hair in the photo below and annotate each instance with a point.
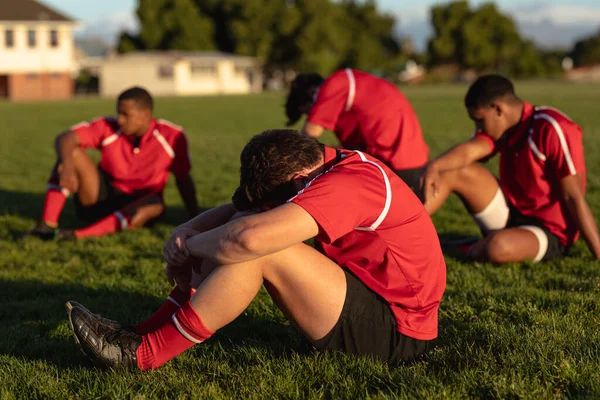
(267, 164)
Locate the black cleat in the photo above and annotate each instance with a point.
(65, 235)
(42, 231)
(109, 323)
(106, 347)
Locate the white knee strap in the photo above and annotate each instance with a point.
(495, 215)
(542, 240)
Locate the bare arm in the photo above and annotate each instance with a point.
(187, 191)
(461, 155)
(312, 130)
(210, 219)
(254, 236)
(580, 212)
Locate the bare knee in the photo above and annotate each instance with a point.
(499, 249)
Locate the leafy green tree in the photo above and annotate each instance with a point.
(587, 51)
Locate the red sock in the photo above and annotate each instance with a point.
(56, 197)
(118, 221)
(165, 312)
(184, 330)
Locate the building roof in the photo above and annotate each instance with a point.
(29, 10)
(174, 56)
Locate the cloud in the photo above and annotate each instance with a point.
(557, 14)
(109, 27)
(548, 25)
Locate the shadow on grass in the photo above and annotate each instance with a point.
(34, 322)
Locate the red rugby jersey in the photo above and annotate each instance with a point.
(546, 147)
(372, 224)
(144, 168)
(371, 114)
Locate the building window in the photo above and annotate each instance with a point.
(204, 69)
(242, 69)
(32, 76)
(31, 38)
(165, 72)
(55, 76)
(9, 38)
(53, 38)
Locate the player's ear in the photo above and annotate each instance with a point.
(498, 108)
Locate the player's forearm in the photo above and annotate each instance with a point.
(187, 190)
(211, 219)
(581, 213)
(457, 157)
(227, 244)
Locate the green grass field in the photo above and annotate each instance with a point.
(516, 331)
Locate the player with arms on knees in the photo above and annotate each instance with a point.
(366, 113)
(125, 189)
(372, 286)
(537, 209)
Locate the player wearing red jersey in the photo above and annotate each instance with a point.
(125, 189)
(365, 113)
(537, 209)
(372, 285)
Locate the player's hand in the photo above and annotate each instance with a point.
(175, 252)
(430, 183)
(180, 276)
(68, 178)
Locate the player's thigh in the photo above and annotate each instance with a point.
(89, 177)
(513, 245)
(476, 186)
(308, 287)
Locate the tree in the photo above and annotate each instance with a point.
(169, 25)
(587, 51)
(481, 39)
(305, 35)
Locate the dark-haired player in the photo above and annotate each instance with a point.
(537, 209)
(372, 286)
(125, 189)
(366, 113)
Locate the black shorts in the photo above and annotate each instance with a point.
(368, 327)
(518, 220)
(110, 199)
(412, 177)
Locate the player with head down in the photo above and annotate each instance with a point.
(371, 286)
(537, 209)
(125, 189)
(366, 113)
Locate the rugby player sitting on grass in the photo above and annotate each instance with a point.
(125, 189)
(371, 286)
(537, 209)
(366, 113)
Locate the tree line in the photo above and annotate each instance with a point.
(323, 35)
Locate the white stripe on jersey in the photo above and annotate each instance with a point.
(561, 138)
(388, 195)
(351, 89)
(110, 139)
(161, 139)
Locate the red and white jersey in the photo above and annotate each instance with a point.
(371, 114)
(371, 223)
(546, 148)
(144, 168)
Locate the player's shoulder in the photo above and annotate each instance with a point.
(546, 115)
(552, 120)
(168, 128)
(99, 122)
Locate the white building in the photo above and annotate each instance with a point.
(36, 52)
(176, 73)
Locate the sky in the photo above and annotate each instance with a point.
(550, 23)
